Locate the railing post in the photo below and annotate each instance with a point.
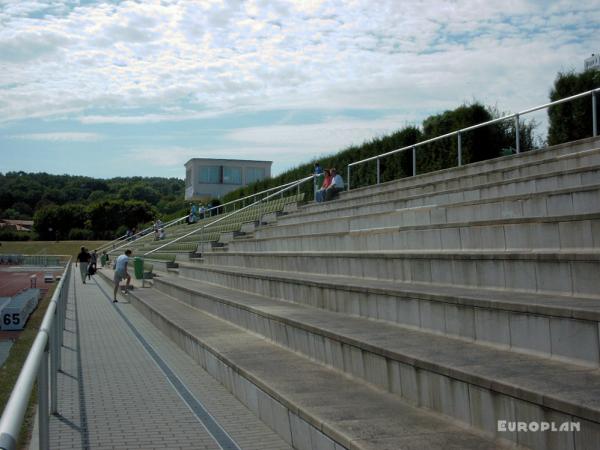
(594, 118)
(202, 239)
(414, 158)
(459, 150)
(378, 171)
(54, 363)
(518, 143)
(348, 183)
(44, 419)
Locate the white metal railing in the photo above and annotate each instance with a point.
(31, 260)
(282, 189)
(458, 133)
(146, 232)
(48, 342)
(108, 244)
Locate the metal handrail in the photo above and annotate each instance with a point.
(135, 236)
(208, 211)
(108, 244)
(457, 133)
(283, 188)
(48, 342)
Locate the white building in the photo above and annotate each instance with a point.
(593, 62)
(207, 178)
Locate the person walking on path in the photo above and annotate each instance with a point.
(121, 273)
(92, 264)
(83, 258)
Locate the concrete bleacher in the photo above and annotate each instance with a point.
(413, 314)
(207, 232)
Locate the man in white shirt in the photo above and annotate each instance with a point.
(121, 272)
(337, 185)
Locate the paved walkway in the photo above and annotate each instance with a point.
(124, 385)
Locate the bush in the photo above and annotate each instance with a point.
(480, 144)
(13, 235)
(80, 234)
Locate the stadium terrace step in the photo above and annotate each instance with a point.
(179, 243)
(559, 272)
(445, 375)
(440, 194)
(547, 233)
(407, 199)
(560, 157)
(413, 314)
(311, 406)
(553, 325)
(572, 201)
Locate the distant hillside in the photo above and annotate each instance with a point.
(21, 194)
(76, 207)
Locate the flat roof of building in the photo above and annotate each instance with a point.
(226, 159)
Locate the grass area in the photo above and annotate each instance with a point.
(16, 358)
(49, 247)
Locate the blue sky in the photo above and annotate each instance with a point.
(137, 88)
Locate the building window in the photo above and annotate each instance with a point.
(188, 178)
(210, 174)
(254, 174)
(232, 175)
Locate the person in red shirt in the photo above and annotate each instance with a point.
(326, 182)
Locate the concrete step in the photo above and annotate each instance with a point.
(548, 233)
(547, 182)
(555, 158)
(448, 376)
(562, 202)
(557, 272)
(309, 405)
(555, 326)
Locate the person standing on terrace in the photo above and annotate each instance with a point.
(121, 273)
(193, 213)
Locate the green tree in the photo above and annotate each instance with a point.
(107, 216)
(53, 221)
(572, 120)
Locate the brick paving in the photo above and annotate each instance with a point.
(113, 395)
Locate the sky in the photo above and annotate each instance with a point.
(137, 88)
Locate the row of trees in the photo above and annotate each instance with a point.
(22, 194)
(99, 220)
(75, 207)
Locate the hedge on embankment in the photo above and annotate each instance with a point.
(573, 120)
(483, 143)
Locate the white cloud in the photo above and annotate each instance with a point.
(168, 157)
(220, 54)
(177, 116)
(59, 137)
(101, 64)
